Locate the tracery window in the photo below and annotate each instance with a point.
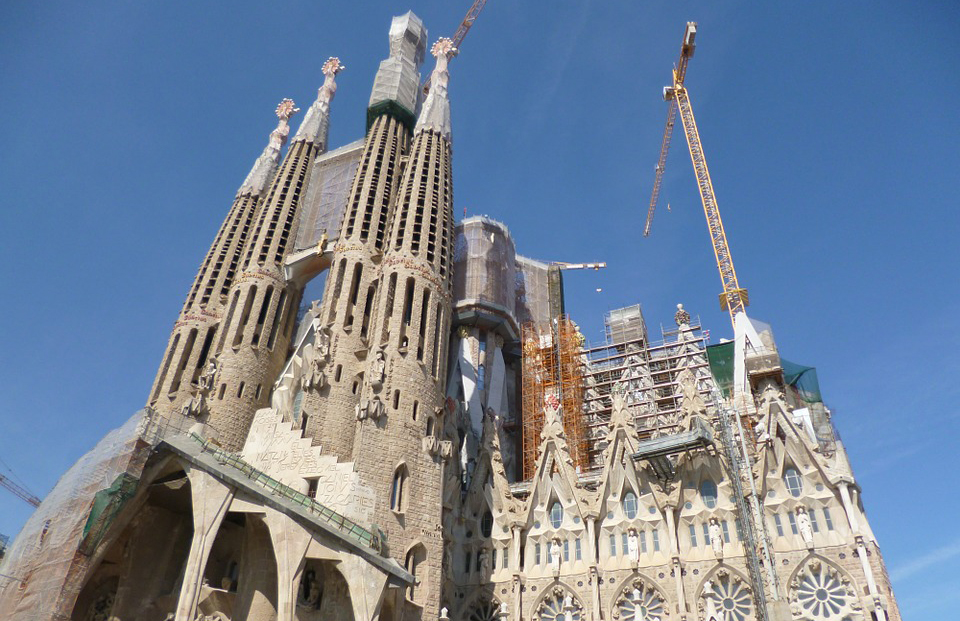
(556, 514)
(558, 606)
(822, 594)
(791, 478)
(630, 505)
(727, 598)
(485, 611)
(708, 492)
(640, 602)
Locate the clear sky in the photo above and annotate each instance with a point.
(830, 128)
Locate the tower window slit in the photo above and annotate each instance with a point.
(262, 316)
(184, 358)
(437, 349)
(337, 287)
(391, 292)
(244, 316)
(292, 315)
(424, 311)
(204, 351)
(277, 317)
(407, 312)
(368, 303)
(354, 293)
(226, 324)
(240, 390)
(166, 365)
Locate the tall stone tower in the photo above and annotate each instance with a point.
(252, 342)
(193, 334)
(403, 388)
(351, 287)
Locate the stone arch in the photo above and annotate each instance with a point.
(820, 589)
(624, 603)
(725, 594)
(142, 552)
(558, 598)
(415, 557)
(323, 592)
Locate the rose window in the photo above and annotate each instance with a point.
(485, 611)
(558, 606)
(638, 604)
(822, 595)
(731, 598)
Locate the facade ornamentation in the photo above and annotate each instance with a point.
(725, 597)
(716, 538)
(640, 601)
(819, 592)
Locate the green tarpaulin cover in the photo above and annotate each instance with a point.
(721, 366)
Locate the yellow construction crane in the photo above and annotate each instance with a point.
(461, 32)
(734, 299)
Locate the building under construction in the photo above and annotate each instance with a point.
(433, 439)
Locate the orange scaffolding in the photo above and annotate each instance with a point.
(552, 365)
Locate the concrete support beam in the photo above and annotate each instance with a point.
(211, 498)
(290, 543)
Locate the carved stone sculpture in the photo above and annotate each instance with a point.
(805, 527)
(633, 547)
(377, 370)
(555, 557)
(716, 538)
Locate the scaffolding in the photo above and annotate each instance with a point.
(552, 366)
(647, 371)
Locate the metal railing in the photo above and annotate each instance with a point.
(373, 540)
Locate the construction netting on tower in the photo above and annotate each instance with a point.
(552, 366)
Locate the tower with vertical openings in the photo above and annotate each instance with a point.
(252, 343)
(354, 279)
(176, 389)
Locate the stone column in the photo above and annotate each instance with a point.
(848, 508)
(515, 531)
(591, 521)
(290, 542)
(368, 587)
(211, 499)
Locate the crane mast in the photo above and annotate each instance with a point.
(461, 32)
(734, 298)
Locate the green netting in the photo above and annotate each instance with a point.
(803, 380)
(721, 366)
(106, 504)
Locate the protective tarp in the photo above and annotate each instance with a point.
(327, 193)
(720, 358)
(106, 504)
(44, 564)
(398, 77)
(533, 292)
(485, 266)
(803, 380)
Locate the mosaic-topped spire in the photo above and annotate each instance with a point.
(316, 123)
(435, 113)
(266, 165)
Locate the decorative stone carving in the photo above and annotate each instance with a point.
(369, 408)
(208, 378)
(682, 317)
(558, 605)
(716, 538)
(819, 592)
(725, 597)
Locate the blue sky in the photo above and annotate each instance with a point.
(830, 129)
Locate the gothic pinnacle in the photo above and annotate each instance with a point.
(316, 122)
(266, 165)
(435, 113)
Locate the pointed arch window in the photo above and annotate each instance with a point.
(397, 490)
(791, 478)
(556, 514)
(486, 524)
(630, 505)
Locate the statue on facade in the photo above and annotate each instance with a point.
(313, 364)
(682, 317)
(377, 369)
(209, 376)
(805, 526)
(633, 547)
(716, 537)
(484, 562)
(555, 557)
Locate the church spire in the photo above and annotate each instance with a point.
(435, 113)
(316, 122)
(266, 165)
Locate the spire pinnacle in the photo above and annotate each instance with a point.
(435, 113)
(266, 165)
(316, 122)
